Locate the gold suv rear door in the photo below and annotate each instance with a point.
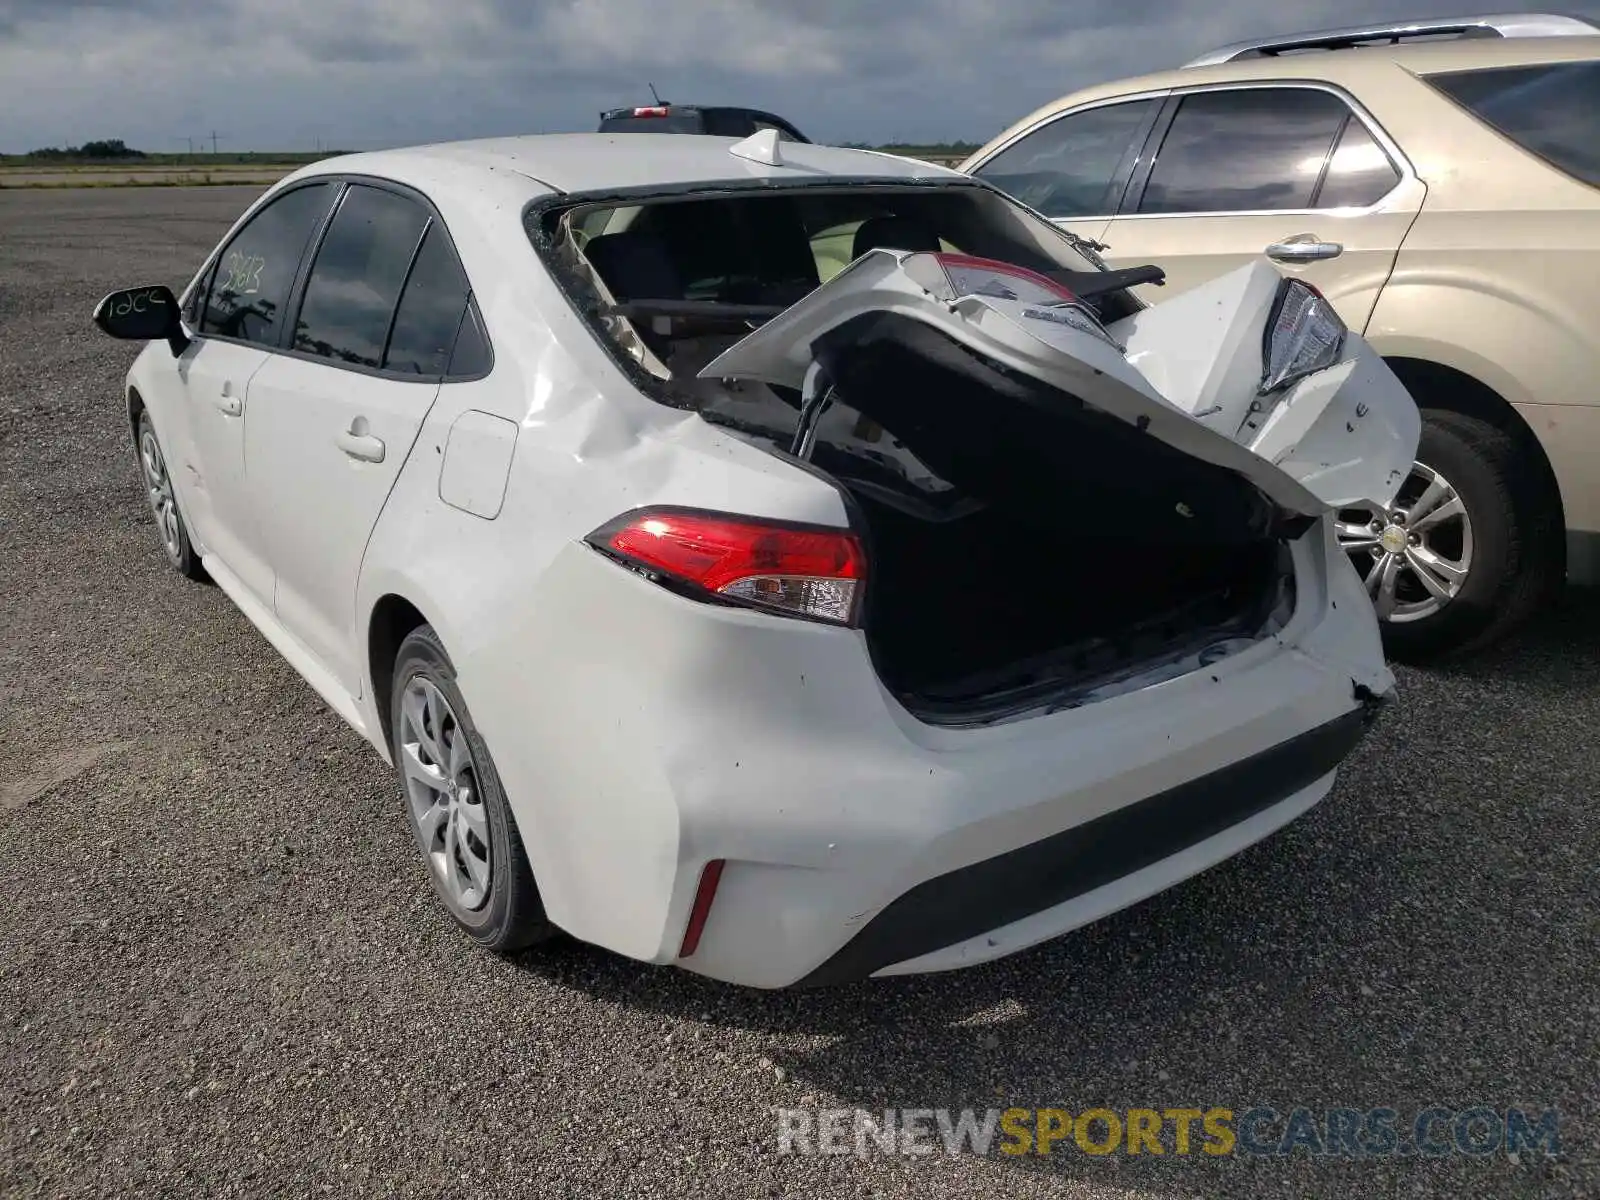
(1293, 171)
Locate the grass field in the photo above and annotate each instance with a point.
(50, 176)
(204, 170)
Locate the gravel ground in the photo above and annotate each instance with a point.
(222, 971)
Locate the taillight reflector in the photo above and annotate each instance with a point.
(801, 571)
(650, 111)
(710, 877)
(969, 275)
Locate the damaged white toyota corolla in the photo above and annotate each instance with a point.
(797, 564)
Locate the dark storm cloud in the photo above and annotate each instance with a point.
(370, 72)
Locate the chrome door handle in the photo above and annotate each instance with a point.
(227, 402)
(359, 444)
(1304, 248)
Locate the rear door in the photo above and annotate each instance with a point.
(335, 417)
(1292, 171)
(1073, 168)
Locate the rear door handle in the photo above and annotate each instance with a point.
(1304, 248)
(227, 402)
(359, 444)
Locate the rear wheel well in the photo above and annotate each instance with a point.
(392, 619)
(1435, 386)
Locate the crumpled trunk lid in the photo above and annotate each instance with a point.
(1185, 373)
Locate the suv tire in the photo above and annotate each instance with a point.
(1516, 561)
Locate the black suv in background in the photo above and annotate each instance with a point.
(697, 118)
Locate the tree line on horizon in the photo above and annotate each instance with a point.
(111, 149)
(116, 150)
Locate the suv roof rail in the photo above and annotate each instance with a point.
(1505, 25)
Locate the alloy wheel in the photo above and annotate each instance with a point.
(158, 489)
(446, 801)
(1416, 553)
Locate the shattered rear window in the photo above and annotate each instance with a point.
(669, 281)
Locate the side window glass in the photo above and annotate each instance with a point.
(1551, 110)
(1244, 150)
(356, 279)
(472, 355)
(1072, 166)
(430, 311)
(725, 124)
(250, 285)
(783, 134)
(1359, 173)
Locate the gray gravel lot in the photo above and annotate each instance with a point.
(222, 971)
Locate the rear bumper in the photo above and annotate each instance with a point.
(641, 735)
(1004, 891)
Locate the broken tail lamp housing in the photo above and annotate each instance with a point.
(1304, 335)
(953, 276)
(810, 572)
(950, 276)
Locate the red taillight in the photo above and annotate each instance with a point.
(703, 896)
(651, 111)
(801, 571)
(968, 275)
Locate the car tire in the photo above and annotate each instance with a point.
(1511, 537)
(162, 496)
(456, 806)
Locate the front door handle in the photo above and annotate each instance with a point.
(359, 444)
(1304, 248)
(227, 402)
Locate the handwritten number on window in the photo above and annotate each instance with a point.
(244, 274)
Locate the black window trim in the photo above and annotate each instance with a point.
(1133, 160)
(342, 183)
(1135, 191)
(405, 282)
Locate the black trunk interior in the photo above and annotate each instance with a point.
(1073, 546)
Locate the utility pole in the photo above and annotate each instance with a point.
(213, 142)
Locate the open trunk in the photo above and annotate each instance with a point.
(1064, 494)
(1017, 568)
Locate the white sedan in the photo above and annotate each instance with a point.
(793, 563)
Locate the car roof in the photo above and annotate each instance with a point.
(1352, 69)
(589, 162)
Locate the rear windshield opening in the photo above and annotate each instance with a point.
(753, 255)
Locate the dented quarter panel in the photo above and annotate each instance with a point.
(589, 446)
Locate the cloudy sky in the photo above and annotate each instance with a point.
(286, 74)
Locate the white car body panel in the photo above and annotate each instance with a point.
(208, 430)
(316, 504)
(695, 761)
(638, 733)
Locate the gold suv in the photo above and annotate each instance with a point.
(1437, 181)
